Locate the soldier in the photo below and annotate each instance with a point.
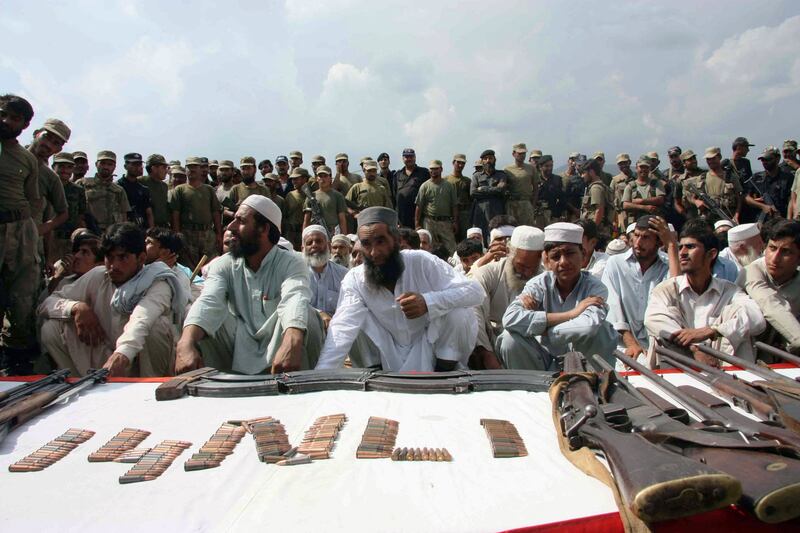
(488, 190)
(534, 158)
(691, 171)
(618, 184)
(213, 168)
(284, 182)
(769, 191)
(248, 185)
(271, 183)
(574, 186)
(141, 212)
(598, 202)
(725, 190)
(63, 165)
(331, 203)
(478, 165)
(600, 157)
(550, 207)
(461, 184)
(295, 160)
(407, 182)
(790, 162)
(225, 189)
(675, 164)
(344, 179)
(741, 165)
(368, 193)
(523, 186)
(643, 196)
(316, 162)
(177, 176)
(19, 275)
(106, 202)
(156, 167)
(81, 165)
(672, 177)
(197, 214)
(654, 162)
(293, 208)
(388, 174)
(437, 208)
(265, 168)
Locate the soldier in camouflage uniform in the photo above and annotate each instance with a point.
(642, 196)
(63, 164)
(293, 208)
(725, 190)
(550, 207)
(156, 168)
(437, 208)
(523, 186)
(461, 183)
(690, 171)
(600, 157)
(598, 202)
(248, 186)
(368, 193)
(617, 186)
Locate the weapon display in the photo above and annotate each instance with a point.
(504, 437)
(213, 452)
(378, 439)
(155, 462)
(711, 204)
(421, 454)
(14, 394)
(124, 441)
(316, 210)
(51, 452)
(782, 354)
(319, 438)
(19, 411)
(759, 370)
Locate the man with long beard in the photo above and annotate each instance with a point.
(503, 281)
(341, 248)
(274, 328)
(413, 307)
(325, 275)
(745, 245)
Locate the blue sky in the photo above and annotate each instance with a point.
(230, 79)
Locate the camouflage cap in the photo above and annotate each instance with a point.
(599, 155)
(653, 155)
(644, 159)
(436, 163)
(80, 155)
(193, 161)
(226, 163)
(203, 160)
(318, 159)
(247, 161)
(573, 155)
(479, 163)
(106, 155)
(270, 176)
(57, 128)
(623, 157)
(546, 158)
(323, 169)
(64, 157)
(366, 158)
(177, 170)
(770, 152)
(536, 153)
(213, 163)
(296, 153)
(520, 148)
(712, 151)
(687, 155)
(460, 157)
(174, 163)
(342, 157)
(370, 164)
(790, 144)
(133, 157)
(299, 172)
(156, 159)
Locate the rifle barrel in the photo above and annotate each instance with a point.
(777, 352)
(760, 371)
(28, 388)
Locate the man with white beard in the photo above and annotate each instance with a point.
(325, 275)
(744, 245)
(341, 248)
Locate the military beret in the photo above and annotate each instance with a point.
(80, 155)
(156, 159)
(106, 155)
(57, 128)
(247, 161)
(64, 157)
(133, 157)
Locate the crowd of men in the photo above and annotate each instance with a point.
(271, 268)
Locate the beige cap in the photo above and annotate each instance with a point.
(536, 153)
(712, 151)
(179, 170)
(64, 157)
(479, 162)
(652, 155)
(460, 157)
(623, 157)
(573, 155)
(193, 161)
(370, 164)
(366, 158)
(687, 155)
(213, 163)
(247, 161)
(226, 163)
(156, 159)
(342, 157)
(318, 159)
(80, 155)
(599, 155)
(106, 155)
(324, 169)
(520, 148)
(57, 128)
(299, 172)
(436, 163)
(296, 153)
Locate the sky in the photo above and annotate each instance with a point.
(261, 78)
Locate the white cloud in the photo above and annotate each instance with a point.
(433, 124)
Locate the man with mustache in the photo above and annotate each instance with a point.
(411, 305)
(744, 245)
(325, 275)
(341, 248)
(502, 281)
(274, 329)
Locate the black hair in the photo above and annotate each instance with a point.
(468, 247)
(550, 245)
(18, 105)
(502, 220)
(591, 164)
(589, 228)
(410, 236)
(89, 239)
(167, 239)
(440, 251)
(782, 228)
(264, 163)
(124, 235)
(700, 230)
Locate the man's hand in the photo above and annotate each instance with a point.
(290, 352)
(687, 336)
(63, 268)
(87, 325)
(651, 208)
(187, 357)
(497, 250)
(634, 351)
(117, 365)
(528, 302)
(660, 226)
(586, 303)
(326, 319)
(412, 304)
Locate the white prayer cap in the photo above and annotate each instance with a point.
(617, 246)
(563, 232)
(314, 228)
(527, 238)
(630, 228)
(475, 231)
(743, 232)
(343, 238)
(353, 237)
(723, 223)
(266, 207)
(425, 232)
(501, 232)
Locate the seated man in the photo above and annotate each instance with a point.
(565, 306)
(411, 305)
(118, 316)
(632, 275)
(85, 256)
(744, 245)
(274, 328)
(409, 239)
(774, 283)
(502, 281)
(425, 240)
(468, 252)
(697, 307)
(341, 248)
(325, 275)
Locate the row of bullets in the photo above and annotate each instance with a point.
(270, 438)
(155, 462)
(217, 448)
(53, 451)
(421, 454)
(319, 438)
(378, 439)
(504, 438)
(124, 441)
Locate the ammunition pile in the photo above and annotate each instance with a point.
(132, 456)
(155, 462)
(53, 451)
(125, 440)
(504, 437)
(378, 439)
(270, 437)
(219, 446)
(319, 438)
(421, 454)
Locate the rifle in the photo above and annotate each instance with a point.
(316, 211)
(761, 371)
(765, 197)
(712, 204)
(675, 486)
(786, 356)
(12, 395)
(769, 491)
(17, 413)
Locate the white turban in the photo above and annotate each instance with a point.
(265, 207)
(314, 228)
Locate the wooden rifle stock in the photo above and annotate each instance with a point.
(23, 390)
